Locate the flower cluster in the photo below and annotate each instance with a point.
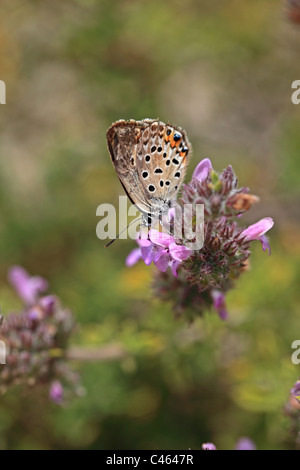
(36, 340)
(198, 279)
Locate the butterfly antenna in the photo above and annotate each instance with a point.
(108, 244)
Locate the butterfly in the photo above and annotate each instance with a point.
(150, 159)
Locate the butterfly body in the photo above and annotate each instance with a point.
(150, 159)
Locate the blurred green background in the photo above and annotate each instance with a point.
(221, 70)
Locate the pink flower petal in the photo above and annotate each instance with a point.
(158, 252)
(244, 443)
(160, 238)
(56, 392)
(48, 303)
(219, 303)
(174, 267)
(163, 262)
(143, 241)
(202, 169)
(209, 446)
(148, 254)
(255, 231)
(179, 252)
(265, 243)
(28, 288)
(134, 256)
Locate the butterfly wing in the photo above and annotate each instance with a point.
(122, 140)
(163, 152)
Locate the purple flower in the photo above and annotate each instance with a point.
(295, 392)
(257, 232)
(161, 249)
(48, 303)
(27, 287)
(35, 314)
(219, 303)
(133, 257)
(244, 443)
(165, 252)
(202, 170)
(150, 251)
(209, 446)
(56, 392)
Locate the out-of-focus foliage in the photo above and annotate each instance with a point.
(221, 70)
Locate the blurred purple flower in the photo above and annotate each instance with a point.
(27, 287)
(56, 392)
(219, 303)
(133, 257)
(244, 443)
(35, 314)
(295, 392)
(257, 232)
(37, 340)
(48, 303)
(202, 170)
(209, 446)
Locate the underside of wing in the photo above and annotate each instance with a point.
(150, 159)
(122, 140)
